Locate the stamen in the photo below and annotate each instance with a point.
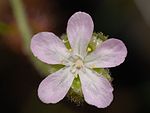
(70, 50)
(89, 49)
(64, 41)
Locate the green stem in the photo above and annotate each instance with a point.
(20, 16)
(21, 19)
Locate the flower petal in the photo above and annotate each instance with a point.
(48, 48)
(54, 87)
(96, 89)
(110, 53)
(79, 31)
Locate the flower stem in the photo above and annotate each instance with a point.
(21, 19)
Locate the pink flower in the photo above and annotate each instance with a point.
(96, 89)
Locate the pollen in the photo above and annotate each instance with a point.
(70, 50)
(64, 41)
(89, 49)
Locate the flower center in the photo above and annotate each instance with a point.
(76, 66)
(79, 63)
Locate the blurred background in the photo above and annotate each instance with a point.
(128, 20)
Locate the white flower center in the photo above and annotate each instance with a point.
(78, 63)
(76, 66)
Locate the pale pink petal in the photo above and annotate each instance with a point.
(110, 53)
(48, 48)
(79, 31)
(96, 89)
(54, 87)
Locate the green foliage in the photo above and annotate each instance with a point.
(65, 41)
(3, 28)
(97, 39)
(75, 93)
(104, 72)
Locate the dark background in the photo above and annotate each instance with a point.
(127, 20)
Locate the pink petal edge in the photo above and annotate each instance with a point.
(96, 89)
(79, 30)
(55, 86)
(47, 47)
(110, 53)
